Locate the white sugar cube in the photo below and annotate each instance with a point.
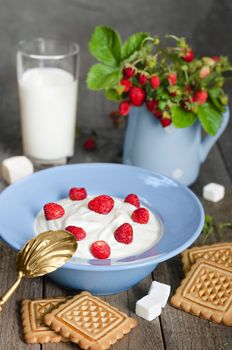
(15, 168)
(213, 192)
(148, 308)
(160, 292)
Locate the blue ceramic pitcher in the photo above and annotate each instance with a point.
(174, 152)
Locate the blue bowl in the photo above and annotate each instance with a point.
(179, 210)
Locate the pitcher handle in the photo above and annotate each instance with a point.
(209, 140)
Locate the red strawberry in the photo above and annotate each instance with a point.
(158, 113)
(124, 233)
(78, 232)
(188, 88)
(89, 144)
(173, 94)
(172, 78)
(126, 84)
(189, 56)
(216, 58)
(140, 215)
(77, 193)
(142, 78)
(165, 122)
(204, 72)
(124, 108)
(185, 104)
(53, 211)
(114, 114)
(200, 97)
(133, 199)
(116, 122)
(101, 204)
(152, 105)
(100, 249)
(128, 72)
(155, 81)
(137, 96)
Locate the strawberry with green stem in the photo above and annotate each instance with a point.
(142, 70)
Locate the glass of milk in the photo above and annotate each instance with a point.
(47, 72)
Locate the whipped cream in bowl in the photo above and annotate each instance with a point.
(102, 227)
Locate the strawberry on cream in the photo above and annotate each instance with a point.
(101, 227)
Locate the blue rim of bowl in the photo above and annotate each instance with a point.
(124, 263)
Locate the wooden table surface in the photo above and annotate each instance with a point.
(174, 329)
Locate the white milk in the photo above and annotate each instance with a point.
(48, 98)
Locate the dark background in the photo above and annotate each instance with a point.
(206, 23)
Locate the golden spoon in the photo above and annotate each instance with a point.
(41, 255)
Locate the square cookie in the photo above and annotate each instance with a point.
(221, 253)
(34, 329)
(89, 322)
(206, 291)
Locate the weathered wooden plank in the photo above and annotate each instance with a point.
(147, 335)
(181, 330)
(10, 320)
(221, 213)
(120, 301)
(212, 170)
(108, 149)
(225, 142)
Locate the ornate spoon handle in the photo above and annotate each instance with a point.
(11, 290)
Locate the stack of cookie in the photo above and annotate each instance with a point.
(206, 290)
(84, 319)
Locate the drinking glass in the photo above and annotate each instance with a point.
(47, 74)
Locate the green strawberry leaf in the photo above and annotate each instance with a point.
(112, 95)
(182, 118)
(102, 77)
(214, 95)
(132, 57)
(162, 105)
(105, 46)
(212, 76)
(216, 104)
(215, 92)
(210, 118)
(133, 44)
